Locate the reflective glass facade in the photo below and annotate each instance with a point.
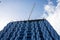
(29, 30)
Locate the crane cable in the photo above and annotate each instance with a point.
(32, 10)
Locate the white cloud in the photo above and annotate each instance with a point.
(3, 23)
(58, 0)
(49, 8)
(55, 18)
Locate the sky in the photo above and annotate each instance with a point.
(17, 10)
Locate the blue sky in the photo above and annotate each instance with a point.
(17, 10)
(22, 8)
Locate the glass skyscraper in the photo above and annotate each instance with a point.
(29, 30)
